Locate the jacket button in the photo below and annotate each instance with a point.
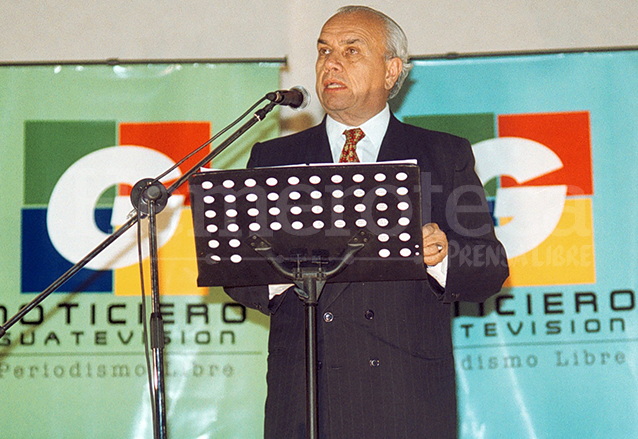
(319, 365)
(369, 314)
(328, 317)
(375, 362)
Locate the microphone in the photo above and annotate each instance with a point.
(296, 98)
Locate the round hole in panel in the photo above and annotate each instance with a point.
(209, 199)
(405, 252)
(403, 205)
(213, 243)
(315, 179)
(383, 237)
(340, 224)
(403, 221)
(233, 227)
(294, 195)
(338, 208)
(315, 195)
(230, 198)
(359, 193)
(297, 225)
(254, 227)
(382, 207)
(317, 209)
(383, 222)
(360, 222)
(275, 226)
(358, 178)
(250, 182)
(231, 213)
(384, 253)
(336, 179)
(206, 185)
(210, 214)
(228, 184)
(273, 196)
(405, 237)
(337, 193)
(271, 181)
(402, 191)
(293, 180)
(380, 192)
(212, 228)
(318, 224)
(251, 198)
(235, 259)
(380, 177)
(274, 211)
(360, 207)
(253, 211)
(402, 176)
(296, 210)
(234, 243)
(215, 259)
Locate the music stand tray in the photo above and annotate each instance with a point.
(307, 213)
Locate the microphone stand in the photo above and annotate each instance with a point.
(149, 197)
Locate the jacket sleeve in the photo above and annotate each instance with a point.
(256, 297)
(477, 262)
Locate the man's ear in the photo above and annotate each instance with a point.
(393, 68)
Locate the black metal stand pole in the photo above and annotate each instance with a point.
(310, 305)
(310, 281)
(156, 323)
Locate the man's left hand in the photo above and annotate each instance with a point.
(434, 244)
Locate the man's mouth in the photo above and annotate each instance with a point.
(333, 85)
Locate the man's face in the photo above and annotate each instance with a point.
(353, 76)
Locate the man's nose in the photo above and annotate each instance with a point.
(333, 61)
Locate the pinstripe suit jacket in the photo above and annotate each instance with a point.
(386, 368)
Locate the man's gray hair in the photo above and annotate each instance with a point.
(396, 43)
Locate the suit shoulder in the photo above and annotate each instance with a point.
(291, 139)
(439, 136)
(449, 148)
(285, 150)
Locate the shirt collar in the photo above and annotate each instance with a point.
(374, 129)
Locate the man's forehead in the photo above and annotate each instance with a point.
(350, 29)
(343, 40)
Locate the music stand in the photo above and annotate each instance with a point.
(306, 225)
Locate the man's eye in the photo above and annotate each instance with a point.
(324, 51)
(352, 51)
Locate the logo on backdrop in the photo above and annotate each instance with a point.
(536, 168)
(537, 172)
(77, 186)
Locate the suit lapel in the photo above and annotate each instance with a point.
(394, 145)
(318, 147)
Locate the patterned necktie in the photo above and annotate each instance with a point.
(349, 152)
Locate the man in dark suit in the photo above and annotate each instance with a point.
(386, 368)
